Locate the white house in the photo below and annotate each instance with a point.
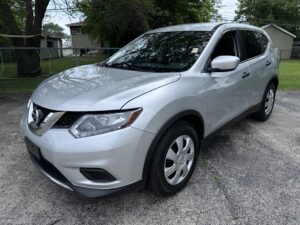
(51, 47)
(282, 39)
(80, 38)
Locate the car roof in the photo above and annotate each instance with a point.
(201, 27)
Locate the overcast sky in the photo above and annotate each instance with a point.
(227, 12)
(228, 8)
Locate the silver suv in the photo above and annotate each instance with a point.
(138, 119)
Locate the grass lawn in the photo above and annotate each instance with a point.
(11, 83)
(289, 74)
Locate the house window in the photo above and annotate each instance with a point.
(49, 44)
(76, 30)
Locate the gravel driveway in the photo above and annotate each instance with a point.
(249, 174)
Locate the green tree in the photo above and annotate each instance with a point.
(120, 21)
(22, 22)
(52, 29)
(283, 13)
(117, 21)
(178, 12)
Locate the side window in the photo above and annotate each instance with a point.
(263, 41)
(252, 44)
(226, 46)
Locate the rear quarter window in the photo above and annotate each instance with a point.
(264, 41)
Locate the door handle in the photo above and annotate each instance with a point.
(245, 74)
(268, 63)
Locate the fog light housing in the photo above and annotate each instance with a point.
(97, 175)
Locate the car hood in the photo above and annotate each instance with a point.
(95, 88)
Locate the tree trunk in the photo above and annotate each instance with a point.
(28, 62)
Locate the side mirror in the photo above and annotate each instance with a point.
(225, 63)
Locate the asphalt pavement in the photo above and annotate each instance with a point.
(249, 174)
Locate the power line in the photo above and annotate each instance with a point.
(288, 20)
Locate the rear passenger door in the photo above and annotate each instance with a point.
(254, 52)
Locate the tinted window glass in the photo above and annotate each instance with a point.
(162, 52)
(252, 44)
(263, 41)
(226, 46)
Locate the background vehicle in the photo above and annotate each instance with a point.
(140, 117)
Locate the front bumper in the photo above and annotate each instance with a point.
(121, 153)
(54, 175)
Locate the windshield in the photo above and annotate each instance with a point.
(161, 52)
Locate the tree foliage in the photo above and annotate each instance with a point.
(177, 12)
(120, 21)
(283, 13)
(23, 17)
(116, 21)
(54, 30)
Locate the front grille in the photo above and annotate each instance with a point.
(41, 119)
(65, 121)
(68, 119)
(44, 113)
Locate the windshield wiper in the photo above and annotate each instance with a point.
(158, 68)
(129, 66)
(143, 67)
(116, 65)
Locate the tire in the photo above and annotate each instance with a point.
(169, 182)
(267, 104)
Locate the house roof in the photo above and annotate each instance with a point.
(279, 28)
(77, 24)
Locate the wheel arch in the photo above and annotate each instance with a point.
(190, 116)
(274, 79)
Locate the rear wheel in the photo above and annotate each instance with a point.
(174, 160)
(267, 104)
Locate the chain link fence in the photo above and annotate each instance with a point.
(54, 60)
(49, 60)
(289, 54)
(295, 53)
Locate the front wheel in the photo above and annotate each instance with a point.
(174, 160)
(267, 104)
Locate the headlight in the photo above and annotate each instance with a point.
(93, 124)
